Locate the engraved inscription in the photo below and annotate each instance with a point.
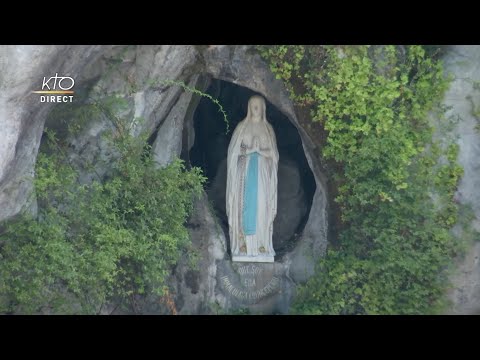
(249, 270)
(249, 282)
(270, 288)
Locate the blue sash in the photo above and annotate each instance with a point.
(250, 196)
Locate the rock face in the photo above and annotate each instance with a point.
(164, 111)
(168, 143)
(153, 106)
(22, 116)
(463, 97)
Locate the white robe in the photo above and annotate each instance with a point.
(259, 244)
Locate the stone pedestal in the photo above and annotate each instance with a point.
(250, 284)
(258, 258)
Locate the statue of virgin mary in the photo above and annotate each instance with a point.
(251, 198)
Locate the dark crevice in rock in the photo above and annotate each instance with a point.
(192, 279)
(202, 84)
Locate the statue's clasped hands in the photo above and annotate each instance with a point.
(256, 144)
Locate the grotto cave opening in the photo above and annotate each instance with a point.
(296, 183)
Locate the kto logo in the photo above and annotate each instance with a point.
(56, 85)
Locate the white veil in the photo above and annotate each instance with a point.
(233, 177)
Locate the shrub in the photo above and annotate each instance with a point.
(105, 240)
(395, 182)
